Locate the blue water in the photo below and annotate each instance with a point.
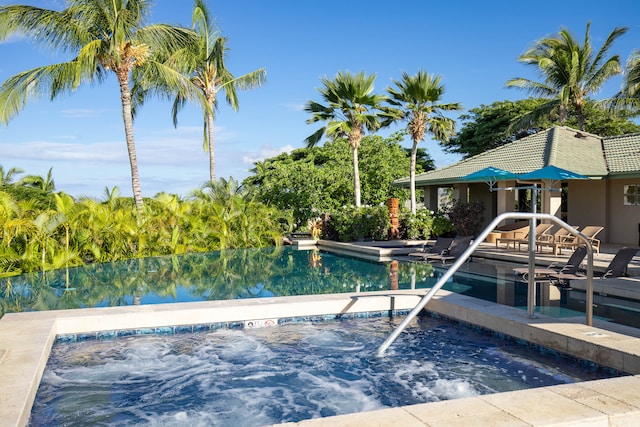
(268, 272)
(295, 371)
(220, 275)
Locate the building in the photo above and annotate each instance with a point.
(610, 197)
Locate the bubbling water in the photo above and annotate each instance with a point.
(296, 371)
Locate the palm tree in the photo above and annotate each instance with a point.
(7, 178)
(104, 36)
(629, 96)
(350, 110)
(205, 66)
(570, 71)
(418, 101)
(46, 185)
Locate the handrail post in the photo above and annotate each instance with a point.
(467, 253)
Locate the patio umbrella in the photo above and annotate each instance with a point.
(490, 175)
(551, 174)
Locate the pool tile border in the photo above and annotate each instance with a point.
(195, 328)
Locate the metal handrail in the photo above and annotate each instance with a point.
(532, 217)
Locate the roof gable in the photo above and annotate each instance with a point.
(559, 146)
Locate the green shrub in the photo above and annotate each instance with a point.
(467, 218)
(416, 226)
(442, 225)
(352, 224)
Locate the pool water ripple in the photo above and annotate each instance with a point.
(296, 371)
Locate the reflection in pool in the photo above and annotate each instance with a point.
(284, 271)
(220, 275)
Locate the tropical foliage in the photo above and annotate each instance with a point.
(418, 101)
(72, 232)
(467, 218)
(570, 72)
(351, 109)
(350, 223)
(103, 36)
(629, 97)
(310, 181)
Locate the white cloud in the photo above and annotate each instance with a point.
(59, 151)
(265, 153)
(80, 113)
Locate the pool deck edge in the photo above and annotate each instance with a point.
(26, 340)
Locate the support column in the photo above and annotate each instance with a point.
(431, 198)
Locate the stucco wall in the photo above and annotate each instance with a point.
(587, 205)
(480, 192)
(623, 219)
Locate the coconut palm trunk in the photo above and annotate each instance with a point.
(412, 175)
(356, 177)
(211, 148)
(127, 117)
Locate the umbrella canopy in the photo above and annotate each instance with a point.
(490, 174)
(551, 173)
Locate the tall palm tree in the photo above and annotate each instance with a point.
(205, 66)
(629, 96)
(104, 36)
(417, 100)
(351, 109)
(570, 73)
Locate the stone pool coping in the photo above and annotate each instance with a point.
(26, 340)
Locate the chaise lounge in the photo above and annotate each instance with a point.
(523, 239)
(571, 242)
(617, 268)
(570, 267)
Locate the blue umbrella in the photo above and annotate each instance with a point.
(490, 174)
(551, 173)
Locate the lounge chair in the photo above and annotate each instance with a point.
(617, 268)
(590, 232)
(549, 239)
(570, 267)
(441, 245)
(457, 248)
(510, 232)
(540, 230)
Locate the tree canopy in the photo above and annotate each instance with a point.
(569, 73)
(487, 126)
(312, 180)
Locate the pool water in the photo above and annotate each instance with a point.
(295, 371)
(284, 271)
(219, 275)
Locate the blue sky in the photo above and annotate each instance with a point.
(474, 46)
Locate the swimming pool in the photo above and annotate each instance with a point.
(284, 271)
(298, 370)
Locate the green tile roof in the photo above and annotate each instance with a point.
(560, 146)
(623, 154)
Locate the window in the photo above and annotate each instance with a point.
(632, 195)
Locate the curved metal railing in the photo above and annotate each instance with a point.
(532, 217)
